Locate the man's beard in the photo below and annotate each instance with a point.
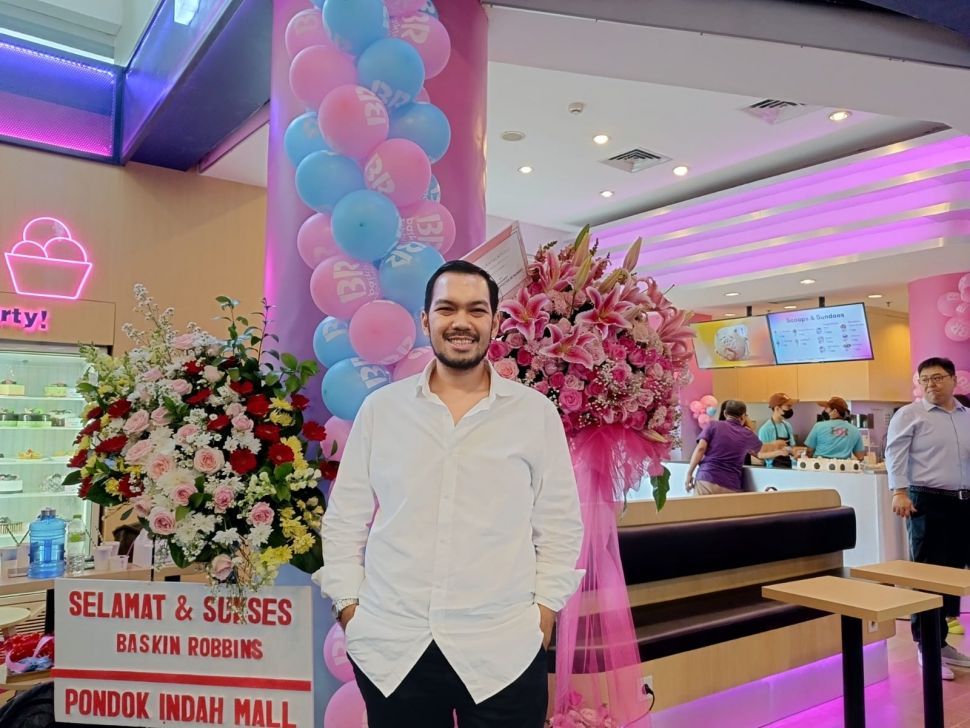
(474, 358)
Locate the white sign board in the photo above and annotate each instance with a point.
(504, 258)
(173, 654)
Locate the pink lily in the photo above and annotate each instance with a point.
(553, 274)
(526, 314)
(608, 311)
(572, 347)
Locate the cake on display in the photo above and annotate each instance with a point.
(829, 465)
(10, 483)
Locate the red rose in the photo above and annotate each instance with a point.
(199, 397)
(82, 491)
(80, 457)
(125, 487)
(258, 405)
(193, 368)
(314, 431)
(112, 445)
(219, 422)
(269, 433)
(280, 453)
(92, 427)
(299, 401)
(329, 470)
(242, 387)
(120, 408)
(242, 461)
(95, 413)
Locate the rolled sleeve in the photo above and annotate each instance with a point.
(557, 526)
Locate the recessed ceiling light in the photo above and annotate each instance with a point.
(681, 170)
(732, 294)
(606, 193)
(525, 169)
(807, 281)
(840, 115)
(601, 138)
(730, 315)
(874, 295)
(790, 308)
(513, 136)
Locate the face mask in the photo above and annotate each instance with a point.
(788, 414)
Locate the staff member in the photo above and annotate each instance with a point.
(928, 461)
(834, 437)
(777, 430)
(720, 452)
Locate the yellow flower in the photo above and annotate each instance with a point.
(302, 543)
(104, 389)
(85, 443)
(281, 404)
(87, 409)
(280, 418)
(111, 487)
(297, 448)
(273, 558)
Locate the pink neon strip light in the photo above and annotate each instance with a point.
(42, 270)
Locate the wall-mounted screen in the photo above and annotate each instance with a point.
(742, 342)
(833, 333)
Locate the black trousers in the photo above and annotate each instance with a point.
(432, 692)
(939, 533)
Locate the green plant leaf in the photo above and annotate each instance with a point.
(72, 478)
(661, 486)
(125, 514)
(312, 560)
(181, 512)
(282, 471)
(289, 361)
(178, 555)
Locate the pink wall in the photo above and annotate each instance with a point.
(940, 320)
(703, 383)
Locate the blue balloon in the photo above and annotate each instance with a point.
(366, 225)
(331, 341)
(434, 190)
(319, 3)
(355, 24)
(420, 338)
(324, 178)
(712, 411)
(348, 382)
(424, 124)
(303, 137)
(405, 273)
(393, 70)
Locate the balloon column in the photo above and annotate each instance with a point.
(954, 306)
(363, 155)
(704, 409)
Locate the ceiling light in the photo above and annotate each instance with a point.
(790, 308)
(525, 169)
(681, 170)
(874, 295)
(730, 315)
(840, 115)
(513, 136)
(732, 294)
(606, 193)
(601, 138)
(807, 281)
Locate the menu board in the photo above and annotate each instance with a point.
(742, 342)
(834, 333)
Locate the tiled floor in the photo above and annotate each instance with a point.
(898, 701)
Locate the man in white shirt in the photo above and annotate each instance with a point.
(458, 486)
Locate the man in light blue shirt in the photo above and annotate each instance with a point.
(835, 437)
(928, 460)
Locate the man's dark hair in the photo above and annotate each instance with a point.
(735, 408)
(465, 268)
(937, 361)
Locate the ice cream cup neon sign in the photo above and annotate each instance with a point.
(57, 268)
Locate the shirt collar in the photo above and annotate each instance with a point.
(927, 405)
(498, 386)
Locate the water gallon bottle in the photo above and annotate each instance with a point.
(77, 543)
(46, 546)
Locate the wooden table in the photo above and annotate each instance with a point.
(858, 602)
(928, 578)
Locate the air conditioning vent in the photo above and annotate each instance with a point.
(636, 160)
(773, 111)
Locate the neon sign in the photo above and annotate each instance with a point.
(29, 322)
(56, 268)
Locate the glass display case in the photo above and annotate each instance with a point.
(40, 417)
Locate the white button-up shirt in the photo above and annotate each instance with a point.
(475, 524)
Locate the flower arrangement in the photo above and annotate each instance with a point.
(205, 439)
(577, 716)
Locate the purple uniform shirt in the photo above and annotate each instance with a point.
(728, 441)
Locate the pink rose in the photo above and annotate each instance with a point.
(550, 367)
(557, 380)
(621, 374)
(212, 374)
(637, 358)
(506, 368)
(541, 387)
(241, 423)
(208, 460)
(159, 465)
(181, 493)
(161, 521)
(235, 409)
(181, 387)
(570, 400)
(498, 350)
(515, 340)
(142, 505)
(523, 357)
(261, 514)
(638, 419)
(161, 416)
(139, 452)
(574, 382)
(184, 341)
(221, 567)
(136, 423)
(222, 498)
(186, 433)
(152, 375)
(595, 388)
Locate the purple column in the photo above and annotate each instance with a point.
(939, 315)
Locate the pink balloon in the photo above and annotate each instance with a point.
(965, 295)
(318, 70)
(429, 38)
(962, 311)
(314, 241)
(964, 282)
(963, 382)
(704, 420)
(423, 96)
(305, 29)
(696, 407)
(335, 654)
(341, 285)
(353, 121)
(414, 363)
(403, 7)
(400, 169)
(382, 332)
(709, 400)
(338, 431)
(947, 303)
(957, 330)
(430, 223)
(346, 708)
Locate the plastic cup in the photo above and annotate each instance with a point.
(102, 556)
(118, 563)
